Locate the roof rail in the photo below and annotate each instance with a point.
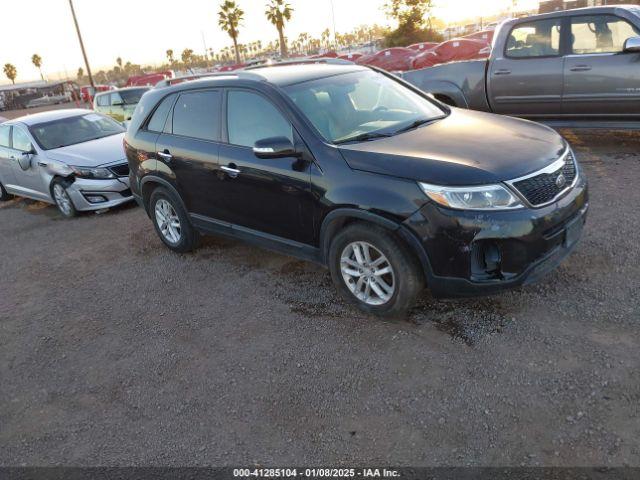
(328, 61)
(188, 78)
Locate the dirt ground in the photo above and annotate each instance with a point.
(115, 351)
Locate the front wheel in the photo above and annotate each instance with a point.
(171, 221)
(63, 200)
(375, 270)
(4, 196)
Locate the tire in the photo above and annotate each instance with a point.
(182, 238)
(62, 199)
(405, 278)
(4, 196)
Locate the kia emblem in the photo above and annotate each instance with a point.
(561, 181)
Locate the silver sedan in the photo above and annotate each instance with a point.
(71, 158)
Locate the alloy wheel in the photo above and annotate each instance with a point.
(367, 273)
(62, 199)
(168, 221)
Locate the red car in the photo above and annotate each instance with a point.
(423, 46)
(455, 50)
(149, 79)
(87, 92)
(390, 59)
(483, 36)
(352, 57)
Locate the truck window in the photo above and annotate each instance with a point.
(534, 39)
(102, 100)
(600, 34)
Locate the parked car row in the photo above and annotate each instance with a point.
(344, 165)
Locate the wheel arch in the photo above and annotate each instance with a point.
(339, 218)
(149, 183)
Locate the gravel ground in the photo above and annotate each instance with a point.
(115, 351)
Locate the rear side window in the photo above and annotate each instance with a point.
(116, 99)
(197, 115)
(534, 39)
(600, 34)
(4, 135)
(103, 100)
(159, 117)
(251, 117)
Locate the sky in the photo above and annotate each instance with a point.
(140, 31)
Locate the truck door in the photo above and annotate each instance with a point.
(599, 77)
(525, 78)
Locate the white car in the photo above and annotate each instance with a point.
(74, 159)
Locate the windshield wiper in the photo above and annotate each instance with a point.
(414, 124)
(363, 137)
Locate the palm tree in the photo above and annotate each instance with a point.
(119, 62)
(11, 72)
(170, 56)
(37, 61)
(187, 56)
(326, 34)
(230, 18)
(278, 12)
(80, 73)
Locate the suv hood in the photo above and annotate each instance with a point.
(465, 148)
(93, 153)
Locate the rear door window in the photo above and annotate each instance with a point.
(197, 115)
(103, 100)
(534, 39)
(4, 135)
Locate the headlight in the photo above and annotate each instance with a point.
(484, 197)
(93, 173)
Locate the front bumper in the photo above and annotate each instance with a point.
(112, 192)
(478, 253)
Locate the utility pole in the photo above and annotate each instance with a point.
(333, 19)
(84, 54)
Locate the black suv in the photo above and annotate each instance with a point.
(355, 169)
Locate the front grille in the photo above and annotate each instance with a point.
(545, 187)
(121, 170)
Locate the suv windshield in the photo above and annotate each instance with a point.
(131, 97)
(361, 106)
(73, 130)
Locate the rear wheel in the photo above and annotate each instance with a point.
(63, 200)
(171, 221)
(374, 270)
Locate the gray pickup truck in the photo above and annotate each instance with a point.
(578, 65)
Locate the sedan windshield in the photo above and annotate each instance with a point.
(131, 97)
(74, 130)
(361, 106)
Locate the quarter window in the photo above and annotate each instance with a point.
(600, 34)
(116, 99)
(4, 135)
(159, 117)
(103, 100)
(21, 140)
(197, 115)
(251, 118)
(534, 39)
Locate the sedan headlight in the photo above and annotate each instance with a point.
(484, 197)
(93, 173)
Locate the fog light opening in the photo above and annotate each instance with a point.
(95, 198)
(486, 260)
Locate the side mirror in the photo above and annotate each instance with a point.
(24, 160)
(632, 45)
(274, 147)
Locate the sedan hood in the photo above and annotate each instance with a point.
(94, 153)
(465, 148)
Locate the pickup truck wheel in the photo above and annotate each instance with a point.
(171, 221)
(4, 196)
(374, 270)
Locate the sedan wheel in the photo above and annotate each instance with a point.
(367, 273)
(168, 221)
(63, 202)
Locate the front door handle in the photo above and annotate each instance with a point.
(502, 71)
(166, 156)
(42, 164)
(581, 68)
(232, 172)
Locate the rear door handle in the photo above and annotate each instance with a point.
(581, 68)
(502, 71)
(232, 172)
